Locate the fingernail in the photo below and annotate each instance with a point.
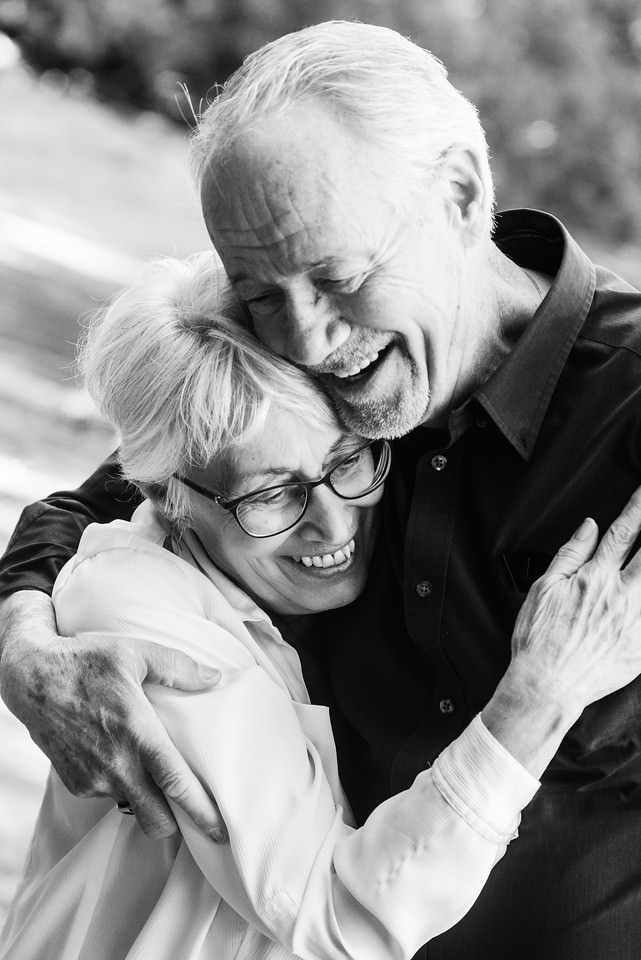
(218, 836)
(585, 529)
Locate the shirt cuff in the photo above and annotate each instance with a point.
(483, 783)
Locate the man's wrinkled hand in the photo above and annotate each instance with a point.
(82, 701)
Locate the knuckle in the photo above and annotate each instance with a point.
(541, 590)
(152, 812)
(565, 549)
(116, 727)
(621, 532)
(174, 786)
(568, 552)
(157, 828)
(121, 775)
(99, 788)
(165, 662)
(583, 580)
(88, 785)
(122, 768)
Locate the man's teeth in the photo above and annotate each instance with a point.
(357, 368)
(330, 559)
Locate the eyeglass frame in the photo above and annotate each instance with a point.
(308, 485)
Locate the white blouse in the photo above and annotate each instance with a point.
(296, 878)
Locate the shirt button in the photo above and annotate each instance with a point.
(446, 705)
(423, 588)
(439, 462)
(481, 422)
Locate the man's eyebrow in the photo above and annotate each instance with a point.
(326, 263)
(347, 264)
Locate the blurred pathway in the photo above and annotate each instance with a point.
(85, 192)
(22, 239)
(50, 439)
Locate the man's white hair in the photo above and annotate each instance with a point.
(172, 366)
(380, 86)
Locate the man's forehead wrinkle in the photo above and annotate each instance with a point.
(290, 215)
(280, 219)
(257, 217)
(258, 236)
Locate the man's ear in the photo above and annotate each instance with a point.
(464, 191)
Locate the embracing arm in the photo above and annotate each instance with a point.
(422, 857)
(293, 867)
(82, 703)
(48, 531)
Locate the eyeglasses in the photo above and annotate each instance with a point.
(273, 510)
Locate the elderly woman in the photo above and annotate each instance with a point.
(259, 502)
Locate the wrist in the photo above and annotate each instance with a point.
(28, 603)
(529, 718)
(26, 617)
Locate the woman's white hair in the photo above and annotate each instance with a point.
(171, 365)
(381, 86)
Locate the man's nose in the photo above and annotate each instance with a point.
(328, 520)
(314, 326)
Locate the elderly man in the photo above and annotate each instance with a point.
(346, 186)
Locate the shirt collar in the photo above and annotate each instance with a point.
(191, 549)
(518, 393)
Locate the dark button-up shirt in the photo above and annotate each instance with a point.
(473, 514)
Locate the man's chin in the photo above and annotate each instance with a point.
(389, 398)
(377, 418)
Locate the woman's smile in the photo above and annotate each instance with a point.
(331, 558)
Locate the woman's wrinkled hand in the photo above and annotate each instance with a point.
(576, 639)
(579, 630)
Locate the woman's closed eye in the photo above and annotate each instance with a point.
(353, 463)
(270, 498)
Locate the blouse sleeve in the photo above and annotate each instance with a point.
(293, 867)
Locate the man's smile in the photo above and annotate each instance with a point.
(356, 357)
(357, 367)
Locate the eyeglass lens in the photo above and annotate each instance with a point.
(273, 511)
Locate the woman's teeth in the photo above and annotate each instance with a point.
(357, 368)
(329, 559)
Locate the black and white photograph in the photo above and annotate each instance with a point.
(320, 480)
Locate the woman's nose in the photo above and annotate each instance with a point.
(328, 520)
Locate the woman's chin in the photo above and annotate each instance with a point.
(315, 589)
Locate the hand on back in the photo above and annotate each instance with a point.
(83, 704)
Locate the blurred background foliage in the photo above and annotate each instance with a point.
(557, 82)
